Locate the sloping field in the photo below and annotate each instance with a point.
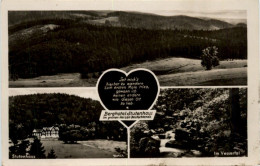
(103, 20)
(170, 72)
(181, 65)
(231, 76)
(58, 80)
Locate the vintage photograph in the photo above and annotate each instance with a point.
(119, 82)
(194, 123)
(61, 123)
(73, 48)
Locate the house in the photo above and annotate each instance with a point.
(46, 132)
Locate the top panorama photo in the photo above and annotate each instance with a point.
(73, 48)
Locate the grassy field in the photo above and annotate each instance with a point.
(170, 72)
(184, 71)
(47, 81)
(181, 65)
(84, 149)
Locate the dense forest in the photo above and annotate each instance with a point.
(201, 121)
(77, 118)
(67, 46)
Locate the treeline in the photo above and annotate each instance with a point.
(73, 133)
(17, 17)
(28, 24)
(84, 48)
(28, 112)
(151, 21)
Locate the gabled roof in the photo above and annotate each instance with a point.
(47, 128)
(44, 129)
(37, 130)
(56, 128)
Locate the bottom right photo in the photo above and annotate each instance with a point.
(194, 122)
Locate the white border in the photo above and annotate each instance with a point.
(251, 6)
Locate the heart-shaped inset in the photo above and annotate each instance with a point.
(136, 90)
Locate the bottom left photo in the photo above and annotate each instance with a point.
(61, 123)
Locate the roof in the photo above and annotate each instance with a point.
(45, 129)
(55, 128)
(37, 130)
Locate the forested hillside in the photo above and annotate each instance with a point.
(207, 121)
(70, 113)
(17, 17)
(153, 21)
(51, 46)
(127, 19)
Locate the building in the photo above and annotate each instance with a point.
(46, 132)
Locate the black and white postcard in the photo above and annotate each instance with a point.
(117, 82)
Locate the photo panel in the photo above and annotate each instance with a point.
(190, 123)
(73, 48)
(61, 123)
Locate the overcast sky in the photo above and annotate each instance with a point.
(82, 92)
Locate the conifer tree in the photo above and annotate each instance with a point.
(37, 149)
(51, 154)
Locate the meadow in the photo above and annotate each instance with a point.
(170, 72)
(84, 149)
